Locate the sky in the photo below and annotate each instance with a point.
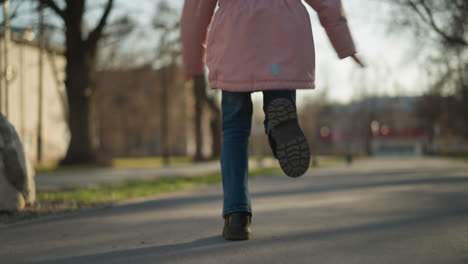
(391, 67)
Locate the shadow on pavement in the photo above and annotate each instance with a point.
(212, 246)
(128, 256)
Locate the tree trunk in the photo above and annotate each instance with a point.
(198, 92)
(216, 135)
(201, 99)
(164, 108)
(80, 62)
(80, 149)
(81, 57)
(464, 108)
(215, 126)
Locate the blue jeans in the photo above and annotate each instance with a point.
(237, 122)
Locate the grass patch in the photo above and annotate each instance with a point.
(326, 161)
(458, 156)
(157, 162)
(119, 191)
(149, 162)
(462, 157)
(131, 189)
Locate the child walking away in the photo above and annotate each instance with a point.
(258, 45)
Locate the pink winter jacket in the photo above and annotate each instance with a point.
(256, 45)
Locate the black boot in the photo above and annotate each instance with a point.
(237, 226)
(286, 138)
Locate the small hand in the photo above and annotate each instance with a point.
(358, 61)
(199, 80)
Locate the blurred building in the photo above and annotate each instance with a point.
(382, 126)
(398, 143)
(23, 100)
(126, 110)
(128, 107)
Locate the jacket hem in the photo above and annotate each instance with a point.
(266, 85)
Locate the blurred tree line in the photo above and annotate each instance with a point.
(88, 49)
(440, 30)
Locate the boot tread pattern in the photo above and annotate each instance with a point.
(292, 148)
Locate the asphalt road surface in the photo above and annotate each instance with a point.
(376, 211)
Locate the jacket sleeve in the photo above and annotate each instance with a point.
(196, 17)
(332, 18)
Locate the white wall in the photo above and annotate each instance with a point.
(23, 101)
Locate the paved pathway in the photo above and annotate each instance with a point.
(377, 211)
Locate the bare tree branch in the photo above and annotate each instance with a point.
(437, 29)
(427, 17)
(97, 32)
(14, 13)
(52, 5)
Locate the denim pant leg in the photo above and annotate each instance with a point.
(237, 122)
(269, 96)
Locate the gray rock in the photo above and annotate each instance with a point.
(17, 186)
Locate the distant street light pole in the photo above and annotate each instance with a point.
(22, 93)
(6, 41)
(40, 83)
(165, 117)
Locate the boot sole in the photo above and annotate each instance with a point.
(292, 148)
